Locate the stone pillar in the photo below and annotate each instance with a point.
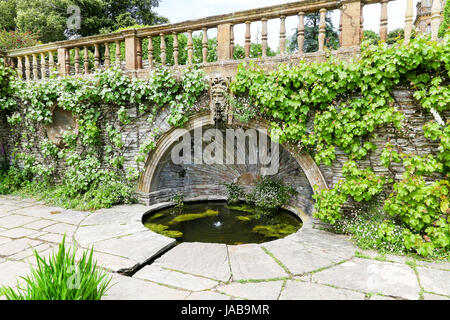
(223, 42)
(408, 20)
(435, 19)
(351, 23)
(384, 20)
(131, 48)
(62, 61)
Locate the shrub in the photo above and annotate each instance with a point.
(17, 39)
(234, 192)
(62, 278)
(270, 194)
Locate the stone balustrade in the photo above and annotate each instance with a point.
(125, 49)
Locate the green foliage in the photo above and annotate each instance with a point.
(445, 25)
(17, 39)
(94, 154)
(311, 34)
(270, 194)
(347, 102)
(361, 185)
(61, 277)
(49, 18)
(267, 194)
(372, 230)
(235, 192)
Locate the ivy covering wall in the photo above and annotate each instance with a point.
(93, 173)
(347, 103)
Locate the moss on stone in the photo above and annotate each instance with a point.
(193, 216)
(162, 229)
(275, 231)
(157, 216)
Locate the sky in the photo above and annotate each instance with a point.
(182, 10)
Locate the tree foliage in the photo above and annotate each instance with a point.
(311, 43)
(48, 18)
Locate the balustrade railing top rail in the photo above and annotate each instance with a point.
(126, 48)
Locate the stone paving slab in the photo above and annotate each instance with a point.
(111, 262)
(253, 290)
(10, 271)
(298, 258)
(139, 247)
(4, 240)
(207, 259)
(430, 296)
(89, 235)
(61, 228)
(40, 224)
(208, 295)
(251, 262)
(17, 233)
(13, 247)
(189, 282)
(126, 288)
(428, 281)
(371, 276)
(15, 220)
(118, 214)
(299, 290)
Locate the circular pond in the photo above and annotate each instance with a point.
(219, 222)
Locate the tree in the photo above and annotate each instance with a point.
(8, 14)
(49, 18)
(445, 25)
(311, 43)
(371, 36)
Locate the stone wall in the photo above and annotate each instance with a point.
(208, 181)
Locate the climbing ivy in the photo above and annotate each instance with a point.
(94, 153)
(336, 106)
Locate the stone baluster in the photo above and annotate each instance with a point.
(35, 67)
(138, 53)
(19, 67)
(118, 54)
(27, 68)
(190, 47)
(248, 39)
(51, 63)
(107, 56)
(408, 21)
(77, 61)
(205, 45)
(175, 49)
(67, 61)
(283, 35)
(322, 28)
(43, 66)
(301, 32)
(435, 19)
(264, 35)
(86, 60)
(163, 49)
(232, 42)
(361, 25)
(150, 52)
(96, 57)
(384, 20)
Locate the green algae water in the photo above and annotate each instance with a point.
(218, 222)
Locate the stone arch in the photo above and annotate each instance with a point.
(172, 136)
